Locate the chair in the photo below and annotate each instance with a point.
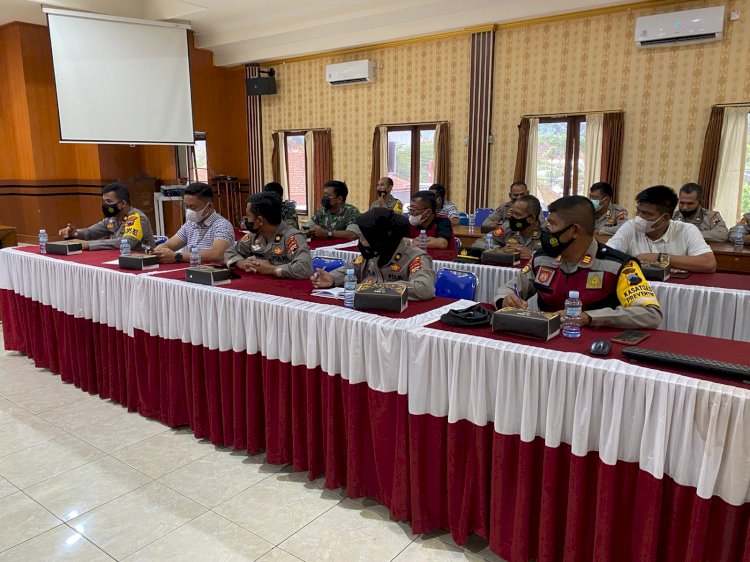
(481, 215)
(463, 219)
(453, 284)
(328, 264)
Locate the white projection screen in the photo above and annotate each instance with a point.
(119, 80)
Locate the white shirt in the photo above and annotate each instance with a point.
(680, 239)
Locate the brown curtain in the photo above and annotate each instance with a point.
(322, 163)
(613, 129)
(375, 172)
(441, 173)
(522, 151)
(275, 159)
(710, 158)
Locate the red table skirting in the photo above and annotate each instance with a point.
(532, 501)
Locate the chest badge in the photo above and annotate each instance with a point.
(512, 241)
(595, 280)
(544, 276)
(277, 251)
(395, 267)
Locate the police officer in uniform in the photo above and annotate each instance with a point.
(272, 247)
(503, 212)
(522, 233)
(744, 227)
(386, 254)
(611, 284)
(608, 216)
(709, 222)
(384, 198)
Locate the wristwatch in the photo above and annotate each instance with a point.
(330, 234)
(178, 257)
(277, 272)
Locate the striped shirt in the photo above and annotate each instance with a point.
(449, 210)
(202, 234)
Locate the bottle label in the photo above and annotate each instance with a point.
(572, 311)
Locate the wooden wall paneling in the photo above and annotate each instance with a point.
(119, 162)
(159, 162)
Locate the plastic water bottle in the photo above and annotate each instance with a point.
(571, 320)
(195, 257)
(350, 286)
(124, 247)
(43, 241)
(490, 242)
(739, 240)
(422, 240)
(471, 220)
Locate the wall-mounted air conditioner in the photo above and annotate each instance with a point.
(680, 28)
(354, 72)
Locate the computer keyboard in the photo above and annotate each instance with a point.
(689, 362)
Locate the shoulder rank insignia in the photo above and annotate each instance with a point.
(526, 268)
(358, 260)
(397, 257)
(512, 241)
(278, 238)
(245, 238)
(292, 245)
(544, 275)
(277, 250)
(536, 234)
(621, 215)
(498, 231)
(608, 213)
(464, 252)
(586, 259)
(595, 280)
(416, 264)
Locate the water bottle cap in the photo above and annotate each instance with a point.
(423, 232)
(488, 235)
(350, 271)
(573, 294)
(42, 231)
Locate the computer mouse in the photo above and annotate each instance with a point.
(601, 347)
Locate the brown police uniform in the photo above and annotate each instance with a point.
(712, 226)
(497, 217)
(107, 233)
(390, 202)
(611, 286)
(504, 236)
(286, 249)
(409, 264)
(610, 220)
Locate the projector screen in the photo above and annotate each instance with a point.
(120, 80)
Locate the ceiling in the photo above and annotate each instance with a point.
(240, 31)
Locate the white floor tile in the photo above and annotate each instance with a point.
(58, 544)
(24, 433)
(6, 488)
(164, 453)
(89, 411)
(10, 411)
(278, 555)
(434, 550)
(119, 432)
(23, 519)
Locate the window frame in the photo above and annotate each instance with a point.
(297, 133)
(415, 131)
(572, 150)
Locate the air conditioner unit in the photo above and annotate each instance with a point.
(354, 72)
(680, 28)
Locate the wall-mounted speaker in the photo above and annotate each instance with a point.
(261, 86)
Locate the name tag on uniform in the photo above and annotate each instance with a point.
(595, 280)
(544, 276)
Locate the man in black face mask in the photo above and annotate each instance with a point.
(712, 226)
(335, 216)
(611, 285)
(121, 221)
(386, 255)
(522, 232)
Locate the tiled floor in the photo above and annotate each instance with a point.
(82, 479)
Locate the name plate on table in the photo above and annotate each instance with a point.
(539, 325)
(469, 255)
(381, 296)
(501, 257)
(139, 261)
(654, 271)
(64, 248)
(208, 275)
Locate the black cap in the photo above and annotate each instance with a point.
(474, 316)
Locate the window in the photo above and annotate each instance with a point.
(411, 159)
(561, 144)
(198, 159)
(296, 169)
(745, 202)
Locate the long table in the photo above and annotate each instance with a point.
(716, 304)
(546, 452)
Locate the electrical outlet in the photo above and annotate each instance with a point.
(735, 15)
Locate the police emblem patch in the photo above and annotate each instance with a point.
(595, 280)
(544, 275)
(292, 245)
(415, 265)
(498, 231)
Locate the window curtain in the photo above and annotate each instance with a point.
(379, 159)
(710, 159)
(441, 170)
(519, 173)
(731, 163)
(275, 158)
(322, 163)
(279, 159)
(531, 150)
(592, 156)
(310, 170)
(613, 129)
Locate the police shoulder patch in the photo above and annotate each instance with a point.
(358, 260)
(416, 264)
(291, 244)
(498, 231)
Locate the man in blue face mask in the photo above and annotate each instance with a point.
(610, 284)
(609, 216)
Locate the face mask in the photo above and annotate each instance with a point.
(517, 225)
(110, 211)
(414, 220)
(551, 243)
(367, 252)
(689, 214)
(326, 202)
(195, 216)
(597, 204)
(382, 193)
(643, 226)
(250, 226)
